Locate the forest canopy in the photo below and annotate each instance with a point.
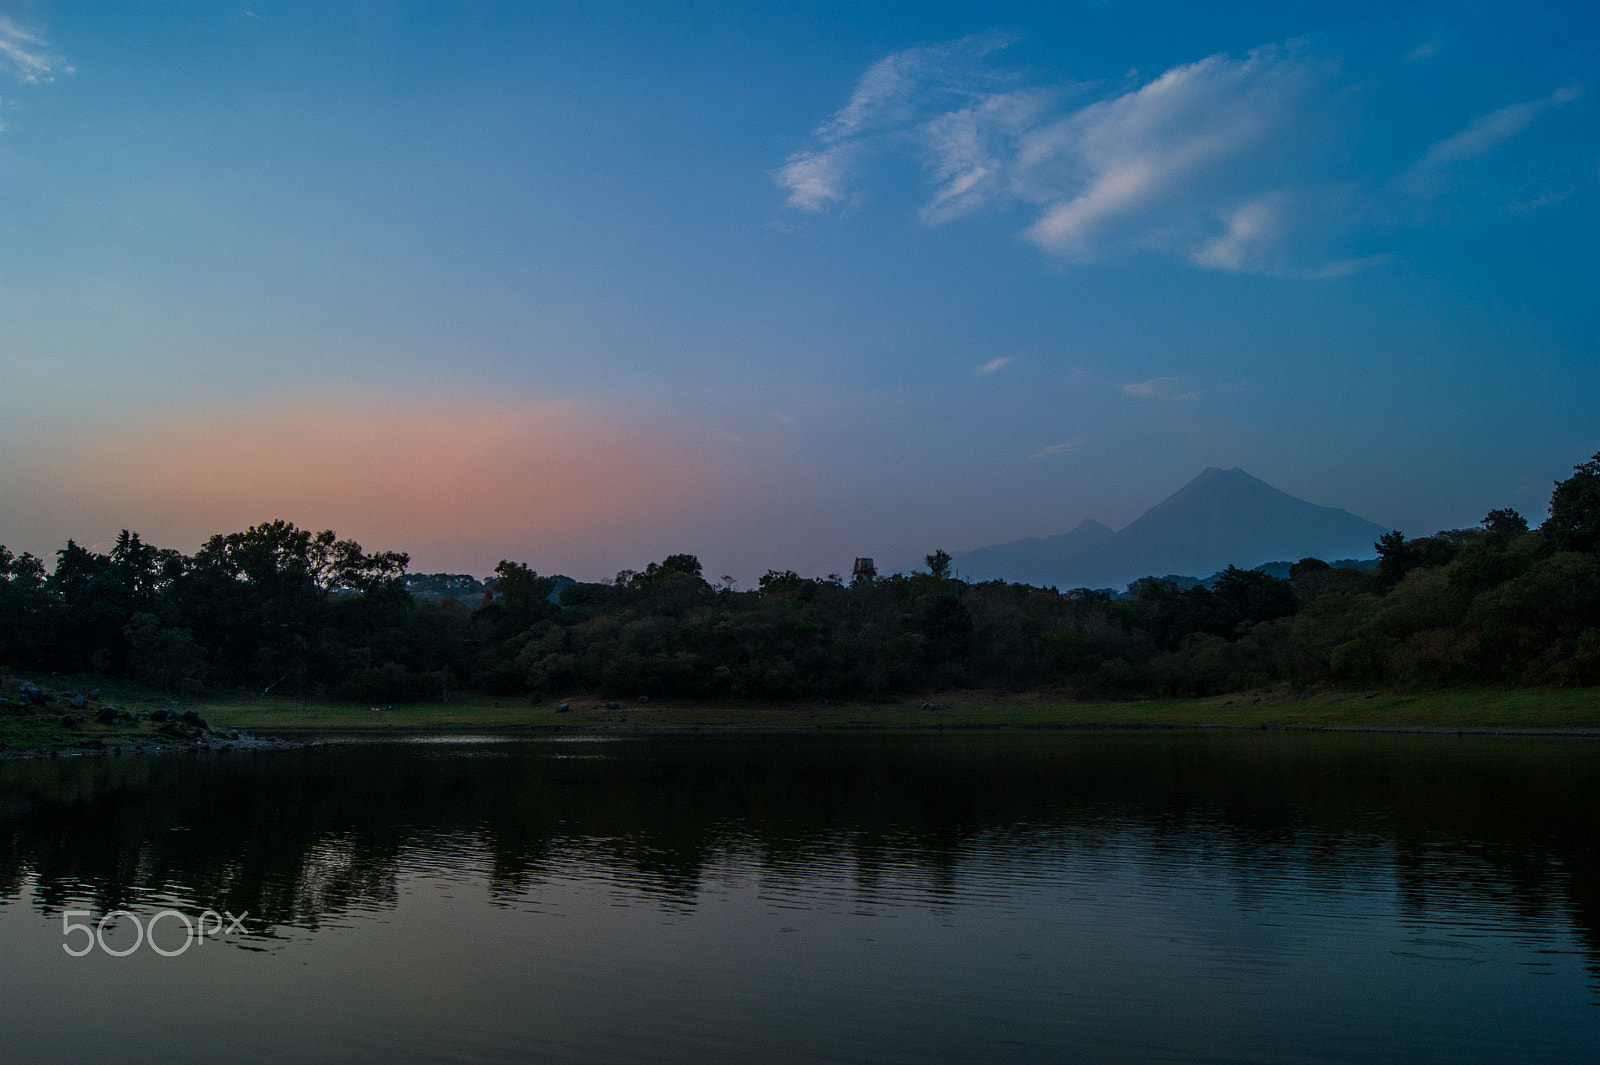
(279, 608)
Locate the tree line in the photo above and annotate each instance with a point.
(280, 609)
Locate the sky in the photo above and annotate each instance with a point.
(585, 285)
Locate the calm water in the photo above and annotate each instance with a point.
(1091, 897)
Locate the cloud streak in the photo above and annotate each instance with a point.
(1057, 449)
(816, 179)
(1160, 388)
(1142, 161)
(23, 55)
(1189, 163)
(1483, 135)
(994, 365)
(895, 93)
(1252, 229)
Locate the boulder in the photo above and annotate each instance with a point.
(106, 715)
(79, 702)
(158, 716)
(562, 708)
(69, 722)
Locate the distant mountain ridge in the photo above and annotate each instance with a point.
(1221, 518)
(1035, 560)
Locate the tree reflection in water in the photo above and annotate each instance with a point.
(301, 838)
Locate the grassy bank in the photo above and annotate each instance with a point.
(1472, 708)
(1468, 708)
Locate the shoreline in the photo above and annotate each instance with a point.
(339, 736)
(400, 732)
(146, 722)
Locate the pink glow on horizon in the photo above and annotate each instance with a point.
(458, 484)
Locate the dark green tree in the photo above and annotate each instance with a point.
(517, 598)
(677, 564)
(1574, 521)
(28, 615)
(787, 582)
(1307, 566)
(1393, 560)
(946, 623)
(1505, 523)
(1248, 597)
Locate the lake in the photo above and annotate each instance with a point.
(1206, 896)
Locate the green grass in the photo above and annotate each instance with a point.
(46, 731)
(1466, 708)
(1474, 708)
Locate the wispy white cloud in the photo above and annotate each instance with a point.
(1252, 228)
(1427, 175)
(896, 92)
(1160, 388)
(1184, 163)
(1259, 235)
(24, 55)
(1057, 449)
(1534, 202)
(1160, 156)
(1425, 50)
(816, 179)
(994, 365)
(969, 153)
(1345, 267)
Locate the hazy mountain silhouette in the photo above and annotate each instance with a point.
(1221, 518)
(1038, 560)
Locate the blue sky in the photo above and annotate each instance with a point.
(584, 285)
